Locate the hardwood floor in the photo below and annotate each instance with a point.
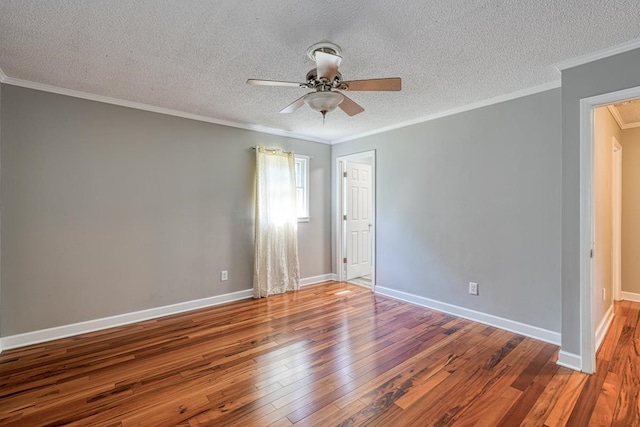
(331, 354)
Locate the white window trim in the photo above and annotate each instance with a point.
(304, 160)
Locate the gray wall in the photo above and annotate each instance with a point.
(595, 78)
(473, 197)
(109, 210)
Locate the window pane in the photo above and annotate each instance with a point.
(298, 173)
(302, 183)
(300, 202)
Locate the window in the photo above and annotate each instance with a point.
(302, 187)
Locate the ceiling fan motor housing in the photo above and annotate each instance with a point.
(322, 84)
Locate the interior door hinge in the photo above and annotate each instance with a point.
(344, 260)
(591, 253)
(344, 174)
(344, 217)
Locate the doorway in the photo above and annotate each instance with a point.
(356, 218)
(592, 327)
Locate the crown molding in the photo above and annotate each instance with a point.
(151, 108)
(263, 129)
(621, 123)
(485, 103)
(561, 66)
(616, 115)
(600, 54)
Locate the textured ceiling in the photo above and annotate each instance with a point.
(627, 114)
(195, 56)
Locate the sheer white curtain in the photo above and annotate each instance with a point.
(276, 268)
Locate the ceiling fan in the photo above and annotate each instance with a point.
(327, 81)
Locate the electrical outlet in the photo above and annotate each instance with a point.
(473, 288)
(223, 275)
(604, 294)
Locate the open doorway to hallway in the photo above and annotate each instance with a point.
(610, 210)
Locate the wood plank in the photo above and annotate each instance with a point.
(480, 408)
(547, 399)
(562, 409)
(607, 401)
(627, 410)
(320, 356)
(331, 415)
(492, 416)
(530, 395)
(586, 402)
(467, 377)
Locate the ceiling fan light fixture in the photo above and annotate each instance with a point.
(323, 102)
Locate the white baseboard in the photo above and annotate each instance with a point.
(603, 327)
(316, 279)
(36, 337)
(488, 319)
(570, 360)
(630, 296)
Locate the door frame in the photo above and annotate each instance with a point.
(587, 122)
(340, 237)
(616, 219)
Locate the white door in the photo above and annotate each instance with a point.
(358, 219)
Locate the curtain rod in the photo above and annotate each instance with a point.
(273, 150)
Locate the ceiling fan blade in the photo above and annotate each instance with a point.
(349, 106)
(327, 65)
(257, 82)
(390, 84)
(294, 105)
